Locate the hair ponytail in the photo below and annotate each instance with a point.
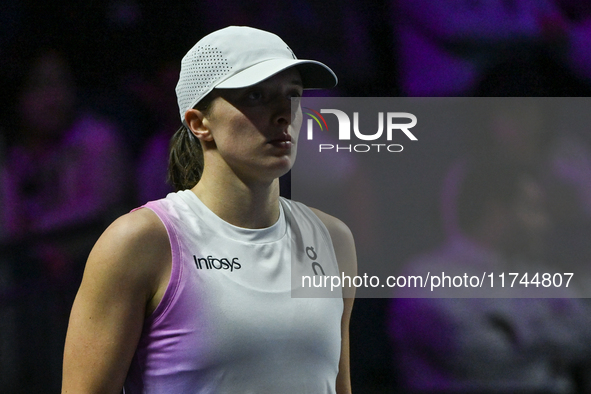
(185, 162)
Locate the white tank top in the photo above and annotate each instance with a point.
(227, 322)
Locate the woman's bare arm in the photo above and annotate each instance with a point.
(344, 246)
(124, 279)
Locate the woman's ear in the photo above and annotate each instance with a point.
(196, 122)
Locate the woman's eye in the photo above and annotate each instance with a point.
(295, 98)
(255, 95)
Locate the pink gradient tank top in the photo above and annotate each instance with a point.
(227, 322)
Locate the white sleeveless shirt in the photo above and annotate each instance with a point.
(227, 322)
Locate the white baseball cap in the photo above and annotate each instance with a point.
(238, 57)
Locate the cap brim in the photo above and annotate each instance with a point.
(315, 75)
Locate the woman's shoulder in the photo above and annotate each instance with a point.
(140, 233)
(134, 249)
(141, 225)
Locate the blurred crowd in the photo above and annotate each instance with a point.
(515, 201)
(88, 107)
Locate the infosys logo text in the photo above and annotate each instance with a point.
(389, 122)
(211, 262)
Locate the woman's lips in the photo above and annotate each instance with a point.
(283, 142)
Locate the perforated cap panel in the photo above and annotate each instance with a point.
(201, 68)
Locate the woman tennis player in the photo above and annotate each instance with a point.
(192, 293)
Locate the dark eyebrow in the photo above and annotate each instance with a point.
(298, 82)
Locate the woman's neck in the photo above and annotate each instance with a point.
(243, 205)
